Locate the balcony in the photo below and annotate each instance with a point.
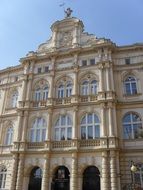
(35, 145)
(5, 149)
(62, 101)
(89, 98)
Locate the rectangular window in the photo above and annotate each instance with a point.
(39, 70)
(46, 69)
(92, 61)
(127, 61)
(84, 62)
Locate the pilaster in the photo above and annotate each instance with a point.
(20, 172)
(105, 171)
(74, 132)
(113, 171)
(45, 178)
(19, 126)
(25, 125)
(14, 172)
(103, 121)
(74, 185)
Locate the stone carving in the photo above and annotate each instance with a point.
(66, 39)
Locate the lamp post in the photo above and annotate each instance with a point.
(133, 170)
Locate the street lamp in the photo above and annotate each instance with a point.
(133, 170)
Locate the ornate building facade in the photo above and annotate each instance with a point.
(71, 114)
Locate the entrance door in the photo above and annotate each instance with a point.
(61, 180)
(35, 179)
(91, 179)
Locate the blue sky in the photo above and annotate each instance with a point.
(24, 24)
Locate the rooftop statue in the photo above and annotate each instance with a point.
(68, 12)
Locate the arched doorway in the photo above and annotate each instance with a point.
(35, 179)
(91, 178)
(61, 179)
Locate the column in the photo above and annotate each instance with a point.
(113, 172)
(101, 81)
(74, 182)
(74, 128)
(24, 83)
(51, 89)
(14, 172)
(80, 180)
(105, 172)
(25, 125)
(19, 183)
(1, 129)
(49, 125)
(19, 126)
(29, 87)
(103, 127)
(75, 85)
(112, 79)
(110, 117)
(45, 178)
(108, 77)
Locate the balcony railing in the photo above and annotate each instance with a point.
(63, 145)
(62, 101)
(35, 145)
(89, 98)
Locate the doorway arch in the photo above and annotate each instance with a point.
(61, 179)
(91, 178)
(35, 179)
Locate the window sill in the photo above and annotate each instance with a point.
(132, 95)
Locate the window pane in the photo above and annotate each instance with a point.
(32, 135)
(69, 121)
(90, 132)
(62, 133)
(69, 133)
(97, 131)
(135, 118)
(83, 132)
(89, 118)
(127, 118)
(63, 120)
(38, 135)
(43, 134)
(127, 132)
(128, 89)
(134, 88)
(83, 120)
(96, 119)
(56, 134)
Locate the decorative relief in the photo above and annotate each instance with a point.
(66, 39)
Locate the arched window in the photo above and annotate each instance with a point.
(90, 126)
(14, 99)
(38, 94)
(64, 89)
(93, 87)
(3, 173)
(61, 91)
(130, 85)
(35, 179)
(38, 130)
(89, 87)
(63, 128)
(9, 136)
(132, 126)
(68, 89)
(41, 91)
(85, 88)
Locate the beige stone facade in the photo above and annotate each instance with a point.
(76, 102)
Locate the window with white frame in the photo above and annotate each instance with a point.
(63, 128)
(14, 99)
(89, 87)
(41, 92)
(3, 174)
(130, 85)
(132, 126)
(90, 126)
(9, 136)
(38, 130)
(64, 90)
